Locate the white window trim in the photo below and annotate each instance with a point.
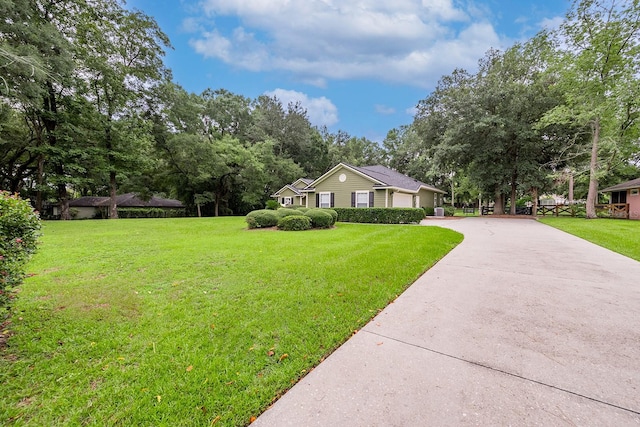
(289, 202)
(324, 193)
(367, 199)
(634, 192)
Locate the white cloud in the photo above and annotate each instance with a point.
(551, 23)
(321, 111)
(383, 109)
(407, 41)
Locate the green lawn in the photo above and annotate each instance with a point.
(622, 236)
(192, 321)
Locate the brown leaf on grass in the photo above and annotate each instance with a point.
(284, 356)
(252, 419)
(215, 420)
(189, 368)
(270, 353)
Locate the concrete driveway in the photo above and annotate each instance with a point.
(521, 324)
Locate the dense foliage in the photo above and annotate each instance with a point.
(294, 223)
(381, 215)
(19, 232)
(88, 107)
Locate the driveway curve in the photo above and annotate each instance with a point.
(521, 324)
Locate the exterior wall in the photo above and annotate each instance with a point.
(634, 204)
(343, 190)
(84, 212)
(426, 198)
(288, 193)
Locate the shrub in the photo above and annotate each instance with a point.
(294, 223)
(262, 218)
(320, 218)
(301, 209)
(282, 212)
(150, 213)
(19, 232)
(449, 211)
(429, 211)
(380, 215)
(272, 205)
(333, 214)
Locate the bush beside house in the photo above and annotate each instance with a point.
(381, 215)
(292, 219)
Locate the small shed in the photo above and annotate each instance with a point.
(627, 195)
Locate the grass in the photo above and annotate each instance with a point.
(620, 236)
(185, 322)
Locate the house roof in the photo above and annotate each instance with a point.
(634, 183)
(382, 177)
(292, 187)
(128, 200)
(287, 187)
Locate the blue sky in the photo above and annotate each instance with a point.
(359, 66)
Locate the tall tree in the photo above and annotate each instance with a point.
(121, 58)
(597, 64)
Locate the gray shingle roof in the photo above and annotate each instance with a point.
(634, 183)
(390, 178)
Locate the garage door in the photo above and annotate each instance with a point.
(401, 200)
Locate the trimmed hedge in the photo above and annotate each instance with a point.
(380, 215)
(150, 213)
(333, 214)
(262, 218)
(294, 223)
(283, 212)
(301, 209)
(429, 211)
(19, 233)
(320, 218)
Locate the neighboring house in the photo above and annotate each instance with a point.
(291, 194)
(626, 193)
(97, 207)
(369, 186)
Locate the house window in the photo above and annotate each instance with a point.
(634, 191)
(362, 199)
(325, 200)
(287, 200)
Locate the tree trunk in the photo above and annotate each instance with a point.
(570, 187)
(113, 185)
(534, 196)
(40, 181)
(64, 202)
(592, 195)
(113, 189)
(512, 208)
(498, 203)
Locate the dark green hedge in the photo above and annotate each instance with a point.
(320, 218)
(294, 223)
(380, 215)
(150, 213)
(262, 218)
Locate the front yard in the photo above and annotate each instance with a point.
(192, 321)
(619, 235)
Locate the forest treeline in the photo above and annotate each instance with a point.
(88, 107)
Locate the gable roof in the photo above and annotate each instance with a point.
(288, 187)
(382, 177)
(634, 183)
(128, 200)
(304, 181)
